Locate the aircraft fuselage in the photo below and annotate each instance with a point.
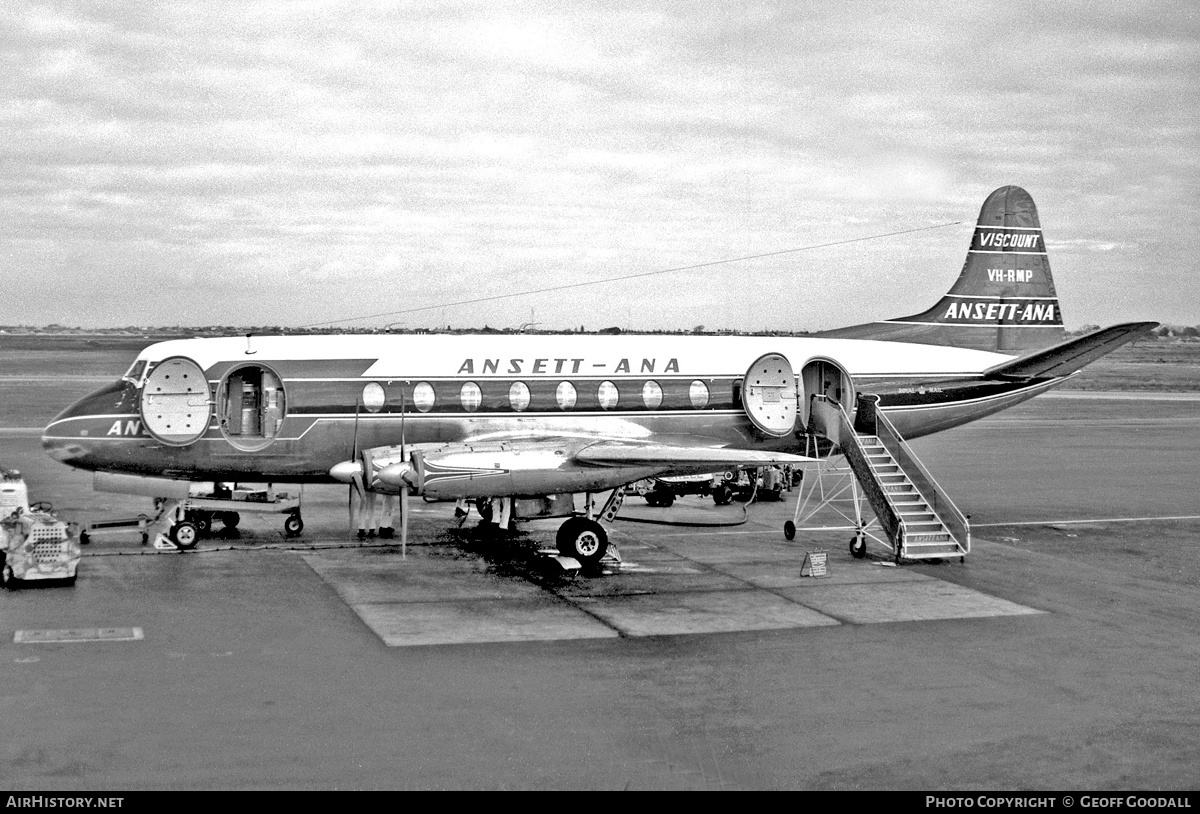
(288, 408)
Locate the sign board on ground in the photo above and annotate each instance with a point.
(814, 564)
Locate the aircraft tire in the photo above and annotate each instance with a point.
(789, 530)
(203, 522)
(84, 538)
(584, 539)
(666, 499)
(231, 519)
(293, 525)
(722, 495)
(858, 546)
(185, 535)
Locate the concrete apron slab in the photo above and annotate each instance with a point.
(444, 595)
(424, 599)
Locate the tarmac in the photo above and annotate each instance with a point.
(1060, 655)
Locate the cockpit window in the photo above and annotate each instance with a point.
(134, 374)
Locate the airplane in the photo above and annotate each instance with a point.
(527, 421)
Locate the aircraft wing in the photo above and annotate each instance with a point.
(623, 453)
(1068, 357)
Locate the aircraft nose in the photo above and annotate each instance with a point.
(104, 413)
(59, 445)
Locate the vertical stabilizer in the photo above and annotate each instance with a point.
(1004, 299)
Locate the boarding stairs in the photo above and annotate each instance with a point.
(917, 517)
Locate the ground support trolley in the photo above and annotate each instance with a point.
(192, 518)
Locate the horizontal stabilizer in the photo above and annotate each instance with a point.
(617, 453)
(1069, 357)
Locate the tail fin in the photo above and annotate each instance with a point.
(1004, 299)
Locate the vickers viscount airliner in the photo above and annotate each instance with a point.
(529, 420)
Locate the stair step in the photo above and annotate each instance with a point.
(919, 540)
(925, 535)
(942, 552)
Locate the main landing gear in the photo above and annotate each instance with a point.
(584, 539)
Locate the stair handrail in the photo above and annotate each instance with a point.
(937, 497)
(838, 428)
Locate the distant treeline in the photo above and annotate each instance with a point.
(34, 336)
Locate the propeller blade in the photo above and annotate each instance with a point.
(357, 473)
(403, 490)
(403, 524)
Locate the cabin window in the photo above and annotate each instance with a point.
(373, 397)
(652, 395)
(565, 395)
(607, 394)
(698, 393)
(518, 396)
(251, 406)
(471, 397)
(423, 396)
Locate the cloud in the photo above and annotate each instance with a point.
(288, 162)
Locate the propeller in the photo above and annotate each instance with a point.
(403, 489)
(405, 474)
(351, 471)
(356, 481)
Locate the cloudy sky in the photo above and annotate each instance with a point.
(292, 163)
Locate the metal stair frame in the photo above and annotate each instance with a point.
(907, 536)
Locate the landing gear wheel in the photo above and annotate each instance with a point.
(789, 530)
(484, 507)
(203, 521)
(585, 540)
(858, 546)
(293, 525)
(723, 496)
(231, 519)
(665, 499)
(84, 538)
(185, 535)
